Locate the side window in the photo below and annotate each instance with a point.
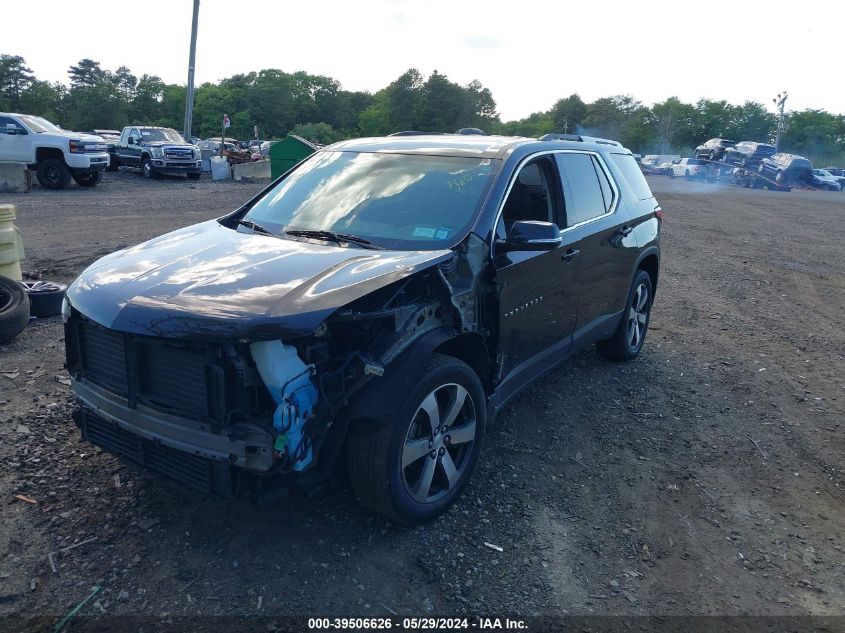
(532, 196)
(134, 133)
(5, 120)
(604, 183)
(581, 189)
(633, 175)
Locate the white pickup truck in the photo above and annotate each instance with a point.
(55, 155)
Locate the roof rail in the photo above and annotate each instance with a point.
(414, 133)
(561, 137)
(579, 138)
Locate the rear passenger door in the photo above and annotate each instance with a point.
(597, 220)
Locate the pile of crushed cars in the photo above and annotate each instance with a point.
(747, 163)
(760, 165)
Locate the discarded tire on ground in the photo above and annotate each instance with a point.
(45, 298)
(14, 309)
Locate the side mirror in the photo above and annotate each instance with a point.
(11, 128)
(130, 140)
(531, 235)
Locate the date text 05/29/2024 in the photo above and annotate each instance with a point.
(416, 624)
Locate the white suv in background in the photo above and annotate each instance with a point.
(55, 155)
(689, 168)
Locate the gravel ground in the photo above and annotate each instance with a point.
(703, 478)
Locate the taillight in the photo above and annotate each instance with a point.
(658, 213)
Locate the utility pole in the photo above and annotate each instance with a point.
(189, 99)
(780, 101)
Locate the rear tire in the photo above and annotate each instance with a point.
(14, 309)
(413, 468)
(627, 341)
(52, 173)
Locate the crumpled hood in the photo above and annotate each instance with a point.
(207, 280)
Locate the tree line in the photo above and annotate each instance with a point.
(318, 108)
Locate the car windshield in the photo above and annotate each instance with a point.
(39, 125)
(397, 201)
(161, 134)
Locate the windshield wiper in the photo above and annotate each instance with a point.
(255, 227)
(334, 237)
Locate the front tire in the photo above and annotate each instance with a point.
(147, 169)
(413, 468)
(627, 341)
(194, 176)
(53, 174)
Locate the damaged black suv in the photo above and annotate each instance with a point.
(381, 301)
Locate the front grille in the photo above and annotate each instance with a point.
(185, 380)
(193, 471)
(173, 378)
(103, 357)
(178, 153)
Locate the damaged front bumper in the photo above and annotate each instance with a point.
(244, 446)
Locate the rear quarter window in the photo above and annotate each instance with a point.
(633, 175)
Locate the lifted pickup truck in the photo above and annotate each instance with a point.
(155, 151)
(55, 155)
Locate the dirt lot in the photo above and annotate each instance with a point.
(704, 478)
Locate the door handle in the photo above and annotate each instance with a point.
(569, 255)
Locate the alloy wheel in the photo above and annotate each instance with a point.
(52, 175)
(439, 442)
(638, 317)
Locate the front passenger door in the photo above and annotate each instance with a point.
(14, 146)
(131, 151)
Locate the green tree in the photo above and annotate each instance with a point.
(125, 82)
(15, 78)
(98, 106)
(816, 134)
(44, 99)
(568, 113)
(321, 133)
(442, 106)
(146, 104)
(86, 73)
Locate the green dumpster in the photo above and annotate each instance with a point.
(287, 153)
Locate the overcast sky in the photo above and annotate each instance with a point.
(529, 54)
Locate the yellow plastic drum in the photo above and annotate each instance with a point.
(11, 244)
